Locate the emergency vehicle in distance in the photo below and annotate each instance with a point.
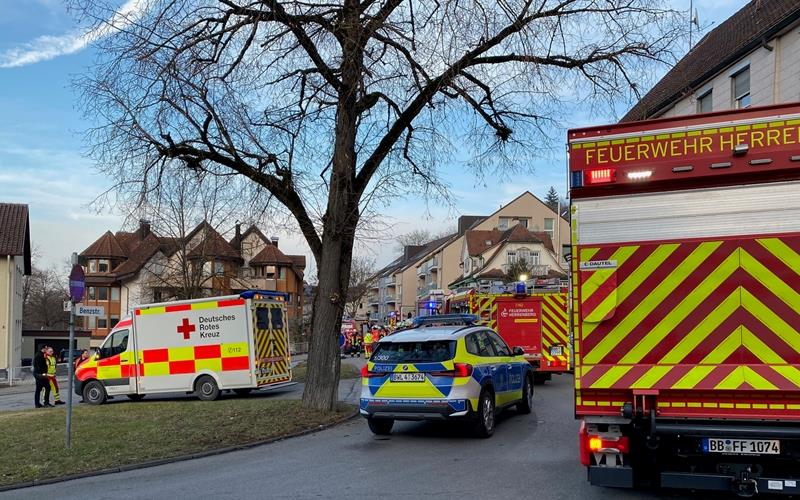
(686, 275)
(539, 323)
(200, 346)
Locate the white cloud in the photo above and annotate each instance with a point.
(48, 47)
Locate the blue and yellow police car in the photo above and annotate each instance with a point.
(444, 367)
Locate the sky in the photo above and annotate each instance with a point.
(42, 149)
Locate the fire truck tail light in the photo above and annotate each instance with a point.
(639, 175)
(617, 445)
(600, 176)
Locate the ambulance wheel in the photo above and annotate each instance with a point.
(136, 397)
(380, 426)
(242, 392)
(206, 388)
(484, 424)
(525, 405)
(94, 393)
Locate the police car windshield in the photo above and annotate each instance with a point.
(434, 351)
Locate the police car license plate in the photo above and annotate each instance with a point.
(408, 377)
(742, 446)
(556, 350)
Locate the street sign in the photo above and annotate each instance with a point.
(77, 283)
(82, 310)
(67, 306)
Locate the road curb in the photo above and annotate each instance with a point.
(180, 458)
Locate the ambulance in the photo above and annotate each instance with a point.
(200, 346)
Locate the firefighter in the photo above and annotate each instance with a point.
(357, 344)
(368, 339)
(51, 375)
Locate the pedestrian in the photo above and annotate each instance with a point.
(51, 375)
(42, 381)
(368, 344)
(83, 357)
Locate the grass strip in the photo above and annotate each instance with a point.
(122, 434)
(348, 371)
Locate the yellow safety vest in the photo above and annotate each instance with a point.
(368, 338)
(51, 365)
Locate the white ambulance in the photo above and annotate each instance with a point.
(200, 346)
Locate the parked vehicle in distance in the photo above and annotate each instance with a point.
(444, 368)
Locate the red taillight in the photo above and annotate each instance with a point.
(367, 374)
(593, 444)
(462, 370)
(600, 176)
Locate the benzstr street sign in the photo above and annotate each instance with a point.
(82, 310)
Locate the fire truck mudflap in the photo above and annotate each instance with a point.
(686, 295)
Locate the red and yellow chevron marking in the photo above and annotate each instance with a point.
(702, 315)
(555, 324)
(272, 346)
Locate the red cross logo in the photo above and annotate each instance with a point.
(186, 328)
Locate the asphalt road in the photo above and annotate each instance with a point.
(530, 456)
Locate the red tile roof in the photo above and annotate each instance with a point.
(478, 241)
(753, 25)
(106, 246)
(271, 255)
(15, 237)
(212, 245)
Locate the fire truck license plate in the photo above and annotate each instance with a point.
(556, 350)
(742, 446)
(408, 377)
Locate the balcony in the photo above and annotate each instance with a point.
(537, 270)
(387, 281)
(374, 301)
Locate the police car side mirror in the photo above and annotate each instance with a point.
(518, 351)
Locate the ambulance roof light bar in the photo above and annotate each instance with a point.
(257, 294)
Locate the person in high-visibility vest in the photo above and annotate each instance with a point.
(368, 339)
(51, 375)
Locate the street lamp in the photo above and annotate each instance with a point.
(523, 277)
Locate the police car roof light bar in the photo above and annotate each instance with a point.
(445, 320)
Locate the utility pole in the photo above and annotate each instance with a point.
(77, 284)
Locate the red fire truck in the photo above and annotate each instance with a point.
(686, 289)
(536, 322)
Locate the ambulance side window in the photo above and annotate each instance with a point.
(262, 318)
(116, 344)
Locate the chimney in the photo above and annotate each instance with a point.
(274, 240)
(238, 237)
(144, 228)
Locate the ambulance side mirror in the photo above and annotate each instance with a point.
(518, 351)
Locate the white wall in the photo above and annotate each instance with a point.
(11, 302)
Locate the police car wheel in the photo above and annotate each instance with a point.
(380, 426)
(94, 393)
(484, 426)
(206, 388)
(526, 403)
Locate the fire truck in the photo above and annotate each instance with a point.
(685, 268)
(536, 322)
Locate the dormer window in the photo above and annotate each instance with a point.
(102, 266)
(488, 242)
(92, 266)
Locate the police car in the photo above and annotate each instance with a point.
(444, 367)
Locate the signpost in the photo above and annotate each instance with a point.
(77, 285)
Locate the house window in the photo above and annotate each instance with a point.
(503, 223)
(289, 297)
(511, 256)
(92, 266)
(102, 293)
(115, 293)
(92, 295)
(102, 266)
(219, 267)
(549, 227)
(91, 322)
(523, 254)
(114, 320)
(102, 323)
(534, 258)
(704, 102)
(523, 223)
(741, 88)
(282, 273)
(270, 271)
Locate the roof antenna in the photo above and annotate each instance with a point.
(694, 20)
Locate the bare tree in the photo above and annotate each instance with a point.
(362, 271)
(43, 301)
(412, 238)
(330, 106)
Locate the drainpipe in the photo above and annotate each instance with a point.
(10, 354)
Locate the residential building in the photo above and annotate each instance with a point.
(487, 256)
(15, 264)
(751, 59)
(417, 281)
(125, 269)
(33, 340)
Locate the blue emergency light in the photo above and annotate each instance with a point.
(256, 294)
(444, 320)
(520, 288)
